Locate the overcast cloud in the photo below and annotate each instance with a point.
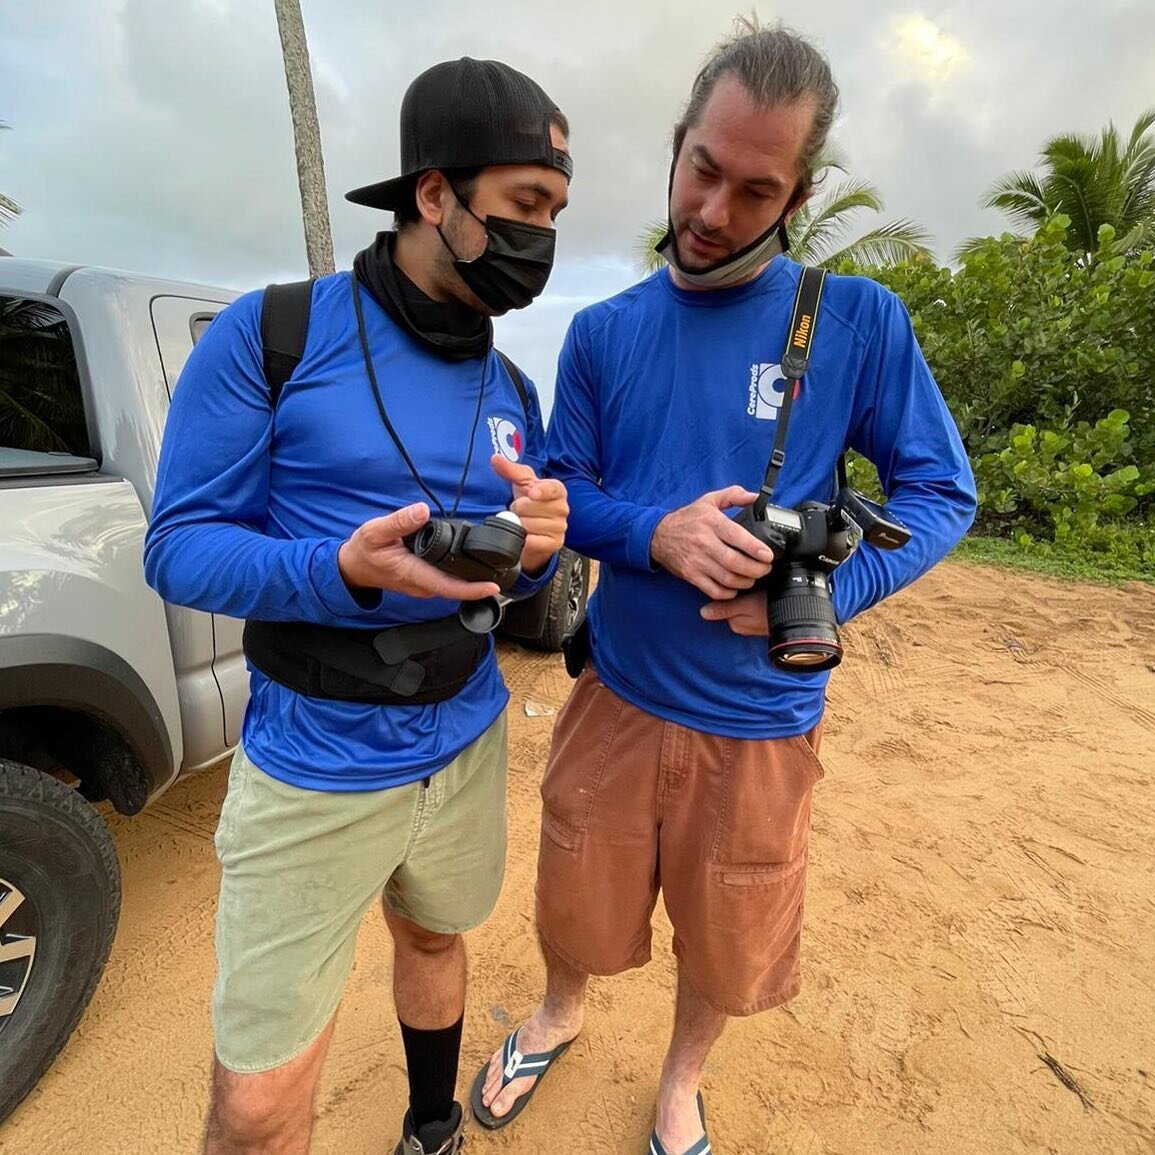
(155, 136)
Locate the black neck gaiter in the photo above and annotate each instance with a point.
(447, 328)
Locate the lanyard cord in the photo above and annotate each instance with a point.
(389, 424)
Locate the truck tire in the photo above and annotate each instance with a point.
(567, 599)
(59, 903)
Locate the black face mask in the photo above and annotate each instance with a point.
(515, 265)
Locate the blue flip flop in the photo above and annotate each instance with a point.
(702, 1147)
(515, 1065)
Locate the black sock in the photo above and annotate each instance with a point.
(431, 1057)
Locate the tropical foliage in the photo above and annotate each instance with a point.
(40, 400)
(1048, 363)
(1094, 181)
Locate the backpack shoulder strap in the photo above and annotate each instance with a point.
(518, 381)
(284, 329)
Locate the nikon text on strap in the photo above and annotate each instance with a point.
(795, 361)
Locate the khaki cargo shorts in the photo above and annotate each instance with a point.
(632, 804)
(299, 868)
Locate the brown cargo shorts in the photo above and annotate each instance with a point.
(632, 804)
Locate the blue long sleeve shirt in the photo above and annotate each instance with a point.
(665, 394)
(252, 505)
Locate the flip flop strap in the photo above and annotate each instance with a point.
(515, 1065)
(702, 1147)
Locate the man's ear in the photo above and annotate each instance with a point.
(797, 201)
(430, 194)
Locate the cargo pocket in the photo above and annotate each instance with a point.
(762, 826)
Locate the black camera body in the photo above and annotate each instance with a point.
(809, 543)
(489, 551)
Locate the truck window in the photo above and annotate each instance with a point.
(41, 402)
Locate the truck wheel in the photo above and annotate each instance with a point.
(59, 902)
(567, 598)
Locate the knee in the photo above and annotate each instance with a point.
(254, 1111)
(410, 937)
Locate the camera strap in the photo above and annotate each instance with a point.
(795, 360)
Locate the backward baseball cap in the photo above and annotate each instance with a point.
(468, 114)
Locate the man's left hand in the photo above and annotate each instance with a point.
(542, 505)
(746, 614)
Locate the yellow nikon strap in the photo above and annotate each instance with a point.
(796, 359)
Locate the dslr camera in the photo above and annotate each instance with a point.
(809, 543)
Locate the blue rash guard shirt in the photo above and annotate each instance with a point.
(251, 507)
(665, 394)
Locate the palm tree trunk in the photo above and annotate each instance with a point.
(306, 137)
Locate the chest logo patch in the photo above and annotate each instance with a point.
(505, 437)
(766, 392)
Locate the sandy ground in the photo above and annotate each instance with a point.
(979, 958)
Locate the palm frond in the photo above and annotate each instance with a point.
(971, 246)
(1093, 180)
(9, 209)
(1022, 197)
(895, 241)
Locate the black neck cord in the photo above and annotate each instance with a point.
(389, 424)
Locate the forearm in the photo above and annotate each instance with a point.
(608, 529)
(232, 570)
(938, 515)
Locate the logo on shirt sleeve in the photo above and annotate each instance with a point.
(505, 437)
(766, 392)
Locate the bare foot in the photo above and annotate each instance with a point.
(542, 1032)
(679, 1124)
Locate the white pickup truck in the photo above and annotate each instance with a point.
(106, 693)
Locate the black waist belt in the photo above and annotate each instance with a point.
(409, 665)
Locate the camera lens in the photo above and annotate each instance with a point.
(803, 629)
(432, 540)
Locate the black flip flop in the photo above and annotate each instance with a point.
(702, 1147)
(516, 1066)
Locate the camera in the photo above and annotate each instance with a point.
(485, 552)
(809, 543)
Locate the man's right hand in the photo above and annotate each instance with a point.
(703, 546)
(376, 558)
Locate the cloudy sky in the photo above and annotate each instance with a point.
(154, 135)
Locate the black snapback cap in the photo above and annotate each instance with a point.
(467, 114)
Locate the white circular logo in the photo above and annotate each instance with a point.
(506, 438)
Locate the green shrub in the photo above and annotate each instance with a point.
(1027, 333)
(1047, 362)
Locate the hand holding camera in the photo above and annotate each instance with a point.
(809, 543)
(487, 551)
(711, 551)
(375, 557)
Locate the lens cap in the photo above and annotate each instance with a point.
(481, 617)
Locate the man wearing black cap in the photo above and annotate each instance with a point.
(286, 498)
